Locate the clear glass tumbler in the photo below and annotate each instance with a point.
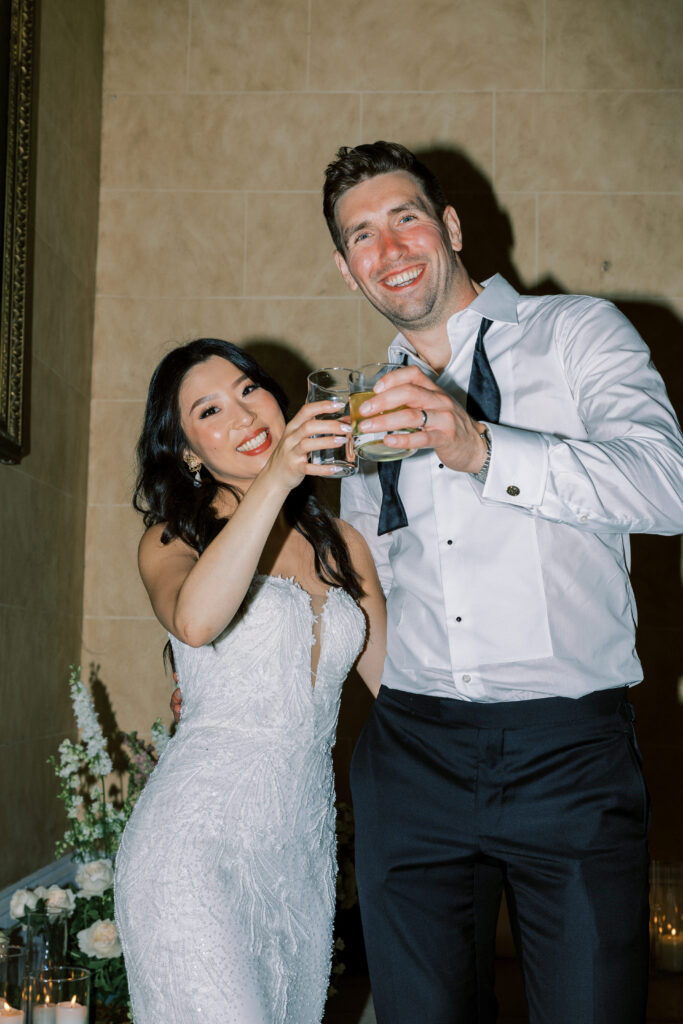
(372, 446)
(332, 384)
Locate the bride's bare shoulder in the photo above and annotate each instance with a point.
(154, 549)
(355, 542)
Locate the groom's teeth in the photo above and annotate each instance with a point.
(249, 446)
(404, 278)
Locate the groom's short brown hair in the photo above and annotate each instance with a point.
(354, 164)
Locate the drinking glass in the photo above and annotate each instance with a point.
(372, 446)
(13, 1002)
(326, 385)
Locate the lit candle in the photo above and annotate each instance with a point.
(8, 1013)
(70, 1013)
(670, 952)
(44, 1013)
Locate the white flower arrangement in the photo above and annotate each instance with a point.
(53, 901)
(100, 940)
(94, 828)
(94, 878)
(95, 823)
(21, 902)
(57, 901)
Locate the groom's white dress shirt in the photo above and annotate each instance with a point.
(519, 588)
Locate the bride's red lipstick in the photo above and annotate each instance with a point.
(263, 447)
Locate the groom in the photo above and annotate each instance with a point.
(502, 740)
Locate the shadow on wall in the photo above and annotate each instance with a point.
(290, 370)
(128, 751)
(284, 364)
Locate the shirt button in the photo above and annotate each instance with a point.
(466, 678)
(513, 491)
(458, 619)
(583, 519)
(449, 541)
(441, 465)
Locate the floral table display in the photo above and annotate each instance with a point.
(95, 826)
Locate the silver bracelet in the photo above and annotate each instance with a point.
(484, 471)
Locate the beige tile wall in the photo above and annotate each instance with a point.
(43, 500)
(556, 125)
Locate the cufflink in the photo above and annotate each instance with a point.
(513, 491)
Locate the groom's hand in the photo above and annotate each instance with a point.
(176, 701)
(449, 429)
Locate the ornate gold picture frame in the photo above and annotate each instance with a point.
(17, 30)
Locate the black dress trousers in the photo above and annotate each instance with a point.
(551, 790)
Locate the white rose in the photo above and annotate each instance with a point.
(22, 901)
(101, 940)
(94, 878)
(59, 901)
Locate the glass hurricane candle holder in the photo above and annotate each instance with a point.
(666, 916)
(60, 995)
(13, 1002)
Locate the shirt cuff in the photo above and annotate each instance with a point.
(519, 466)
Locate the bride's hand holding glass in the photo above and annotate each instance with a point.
(307, 433)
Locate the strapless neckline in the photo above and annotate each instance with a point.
(316, 616)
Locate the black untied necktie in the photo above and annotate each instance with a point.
(483, 403)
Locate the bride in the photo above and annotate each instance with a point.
(225, 874)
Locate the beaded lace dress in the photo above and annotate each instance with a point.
(225, 877)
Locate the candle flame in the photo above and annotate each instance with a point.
(73, 1000)
(6, 1005)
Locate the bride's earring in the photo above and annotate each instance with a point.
(194, 466)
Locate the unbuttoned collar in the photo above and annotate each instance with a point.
(497, 301)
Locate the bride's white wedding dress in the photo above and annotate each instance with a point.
(225, 877)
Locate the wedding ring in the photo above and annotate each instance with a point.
(424, 418)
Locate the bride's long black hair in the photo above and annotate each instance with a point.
(165, 490)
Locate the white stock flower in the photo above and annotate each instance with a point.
(22, 901)
(73, 806)
(89, 726)
(100, 940)
(70, 757)
(94, 878)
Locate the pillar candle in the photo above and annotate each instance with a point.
(44, 1014)
(669, 952)
(11, 1016)
(70, 1013)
